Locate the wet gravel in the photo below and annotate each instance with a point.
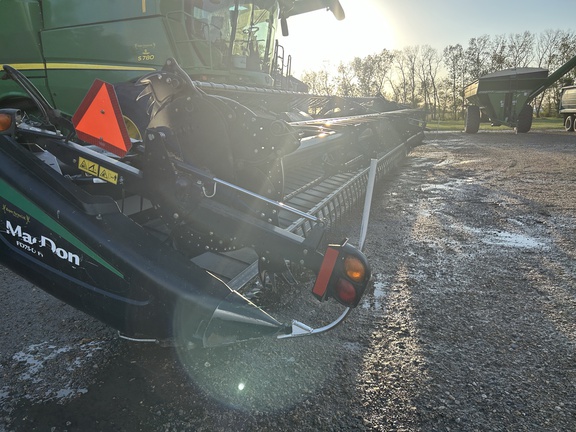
(469, 324)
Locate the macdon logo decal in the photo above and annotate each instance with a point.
(34, 244)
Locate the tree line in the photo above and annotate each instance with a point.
(422, 76)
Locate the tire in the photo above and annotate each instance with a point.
(569, 123)
(524, 122)
(472, 123)
(133, 109)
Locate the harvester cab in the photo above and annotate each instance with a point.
(239, 35)
(232, 35)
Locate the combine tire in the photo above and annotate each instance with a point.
(472, 119)
(569, 123)
(524, 122)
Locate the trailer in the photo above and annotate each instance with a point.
(505, 97)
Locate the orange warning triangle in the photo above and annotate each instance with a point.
(99, 121)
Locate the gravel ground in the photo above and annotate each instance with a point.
(469, 324)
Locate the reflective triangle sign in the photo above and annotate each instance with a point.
(99, 121)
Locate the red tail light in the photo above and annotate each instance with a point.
(345, 292)
(343, 275)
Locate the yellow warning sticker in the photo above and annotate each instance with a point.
(88, 166)
(108, 175)
(97, 170)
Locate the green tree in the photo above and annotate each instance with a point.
(371, 72)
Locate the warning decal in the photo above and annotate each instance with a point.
(108, 175)
(98, 171)
(88, 166)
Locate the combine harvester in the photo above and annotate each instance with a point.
(160, 202)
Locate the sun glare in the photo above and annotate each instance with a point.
(318, 41)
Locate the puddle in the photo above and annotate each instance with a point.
(375, 299)
(450, 186)
(504, 238)
(50, 368)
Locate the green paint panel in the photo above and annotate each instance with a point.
(68, 13)
(22, 29)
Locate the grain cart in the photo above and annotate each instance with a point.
(504, 97)
(172, 230)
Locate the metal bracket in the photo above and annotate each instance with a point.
(301, 329)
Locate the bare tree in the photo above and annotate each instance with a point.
(478, 55)
(455, 63)
(319, 82)
(345, 81)
(546, 52)
(414, 75)
(429, 62)
(445, 99)
(411, 54)
(404, 81)
(520, 49)
(399, 82)
(498, 47)
(566, 50)
(547, 57)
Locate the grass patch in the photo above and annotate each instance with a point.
(458, 125)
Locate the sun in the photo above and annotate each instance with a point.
(317, 40)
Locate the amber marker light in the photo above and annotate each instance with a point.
(5, 122)
(354, 269)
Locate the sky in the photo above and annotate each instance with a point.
(317, 40)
